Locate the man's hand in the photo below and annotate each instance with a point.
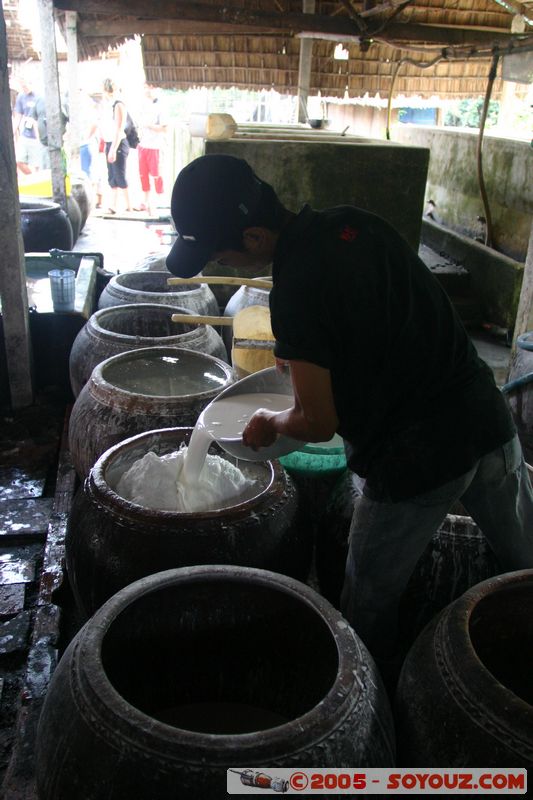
(260, 431)
(313, 418)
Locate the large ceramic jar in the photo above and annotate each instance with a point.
(156, 261)
(111, 541)
(152, 287)
(44, 226)
(187, 673)
(82, 191)
(117, 329)
(465, 695)
(74, 215)
(225, 291)
(135, 391)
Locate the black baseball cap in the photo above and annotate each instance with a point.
(213, 199)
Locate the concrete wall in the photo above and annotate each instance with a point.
(383, 177)
(495, 279)
(453, 185)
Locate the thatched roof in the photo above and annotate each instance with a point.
(255, 44)
(19, 39)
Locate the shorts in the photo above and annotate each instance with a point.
(28, 151)
(149, 165)
(86, 159)
(116, 172)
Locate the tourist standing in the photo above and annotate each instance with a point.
(88, 134)
(27, 145)
(116, 145)
(154, 126)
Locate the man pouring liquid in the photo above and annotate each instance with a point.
(378, 354)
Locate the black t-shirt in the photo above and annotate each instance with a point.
(417, 407)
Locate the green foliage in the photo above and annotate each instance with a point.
(467, 113)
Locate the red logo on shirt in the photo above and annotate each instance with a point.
(348, 233)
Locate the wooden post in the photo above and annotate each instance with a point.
(304, 67)
(524, 315)
(52, 100)
(71, 18)
(12, 268)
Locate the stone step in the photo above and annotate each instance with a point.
(21, 519)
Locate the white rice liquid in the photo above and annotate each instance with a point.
(156, 482)
(226, 419)
(190, 479)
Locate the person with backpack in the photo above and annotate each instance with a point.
(117, 148)
(39, 115)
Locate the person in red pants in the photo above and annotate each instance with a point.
(152, 140)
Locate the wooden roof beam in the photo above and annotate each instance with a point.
(169, 27)
(170, 10)
(428, 34)
(394, 31)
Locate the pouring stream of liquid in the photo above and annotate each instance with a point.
(226, 418)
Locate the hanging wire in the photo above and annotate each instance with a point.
(492, 77)
(481, 180)
(449, 54)
(397, 66)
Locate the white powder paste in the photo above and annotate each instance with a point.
(155, 482)
(190, 480)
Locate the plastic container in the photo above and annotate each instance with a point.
(63, 288)
(317, 458)
(253, 341)
(315, 469)
(39, 184)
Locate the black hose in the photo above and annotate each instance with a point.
(481, 181)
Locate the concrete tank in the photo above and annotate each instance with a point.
(383, 177)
